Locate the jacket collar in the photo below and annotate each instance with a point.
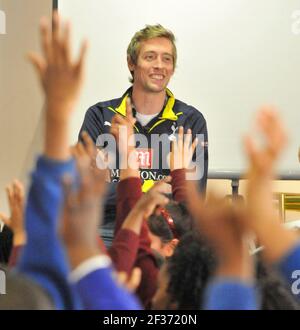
(167, 112)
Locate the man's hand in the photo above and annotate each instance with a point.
(61, 77)
(182, 150)
(82, 214)
(15, 196)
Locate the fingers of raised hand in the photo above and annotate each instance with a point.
(18, 190)
(271, 125)
(10, 195)
(80, 149)
(134, 279)
(89, 145)
(5, 219)
(46, 39)
(160, 186)
(60, 40)
(82, 57)
(118, 120)
(250, 148)
(129, 108)
(262, 158)
(187, 139)
(92, 181)
(194, 145)
(38, 62)
(70, 199)
(129, 113)
(56, 38)
(65, 44)
(180, 137)
(154, 200)
(56, 44)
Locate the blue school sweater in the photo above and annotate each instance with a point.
(43, 258)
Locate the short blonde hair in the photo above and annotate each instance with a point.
(149, 32)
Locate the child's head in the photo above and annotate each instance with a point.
(167, 228)
(184, 276)
(22, 293)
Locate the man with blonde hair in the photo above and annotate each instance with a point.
(151, 59)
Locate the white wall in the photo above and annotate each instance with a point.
(199, 80)
(234, 55)
(20, 98)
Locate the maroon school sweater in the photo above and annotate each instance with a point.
(130, 250)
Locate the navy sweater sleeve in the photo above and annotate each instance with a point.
(43, 258)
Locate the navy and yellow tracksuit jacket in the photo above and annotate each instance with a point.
(174, 114)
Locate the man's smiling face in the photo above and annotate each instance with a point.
(155, 65)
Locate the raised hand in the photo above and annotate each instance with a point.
(182, 150)
(82, 214)
(149, 203)
(262, 160)
(87, 151)
(131, 282)
(122, 128)
(127, 122)
(263, 219)
(221, 223)
(261, 167)
(61, 77)
(15, 196)
(88, 154)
